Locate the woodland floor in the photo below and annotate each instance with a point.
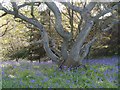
(106, 61)
(10, 67)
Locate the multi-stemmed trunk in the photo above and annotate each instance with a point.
(72, 51)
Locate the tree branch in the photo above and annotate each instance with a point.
(86, 12)
(28, 4)
(4, 24)
(110, 26)
(73, 7)
(37, 24)
(3, 15)
(102, 13)
(5, 31)
(89, 7)
(32, 10)
(59, 28)
(58, 21)
(15, 8)
(87, 48)
(74, 53)
(64, 51)
(48, 50)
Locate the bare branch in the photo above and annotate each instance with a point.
(37, 24)
(58, 24)
(3, 33)
(32, 10)
(105, 12)
(6, 30)
(4, 24)
(71, 15)
(79, 25)
(64, 51)
(48, 50)
(26, 24)
(28, 4)
(57, 52)
(87, 48)
(73, 7)
(59, 28)
(89, 7)
(3, 15)
(86, 11)
(15, 8)
(80, 40)
(110, 26)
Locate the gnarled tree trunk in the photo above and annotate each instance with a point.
(68, 56)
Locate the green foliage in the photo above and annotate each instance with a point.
(41, 76)
(14, 39)
(22, 53)
(19, 36)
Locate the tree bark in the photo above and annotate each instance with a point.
(69, 57)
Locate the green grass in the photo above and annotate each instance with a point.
(46, 77)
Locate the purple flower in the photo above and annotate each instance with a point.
(65, 67)
(50, 76)
(46, 79)
(31, 87)
(83, 72)
(70, 86)
(95, 70)
(21, 83)
(38, 74)
(14, 66)
(68, 70)
(111, 79)
(91, 68)
(32, 81)
(3, 72)
(67, 81)
(106, 72)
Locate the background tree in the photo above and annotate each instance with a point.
(12, 39)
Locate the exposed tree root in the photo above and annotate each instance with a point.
(69, 64)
